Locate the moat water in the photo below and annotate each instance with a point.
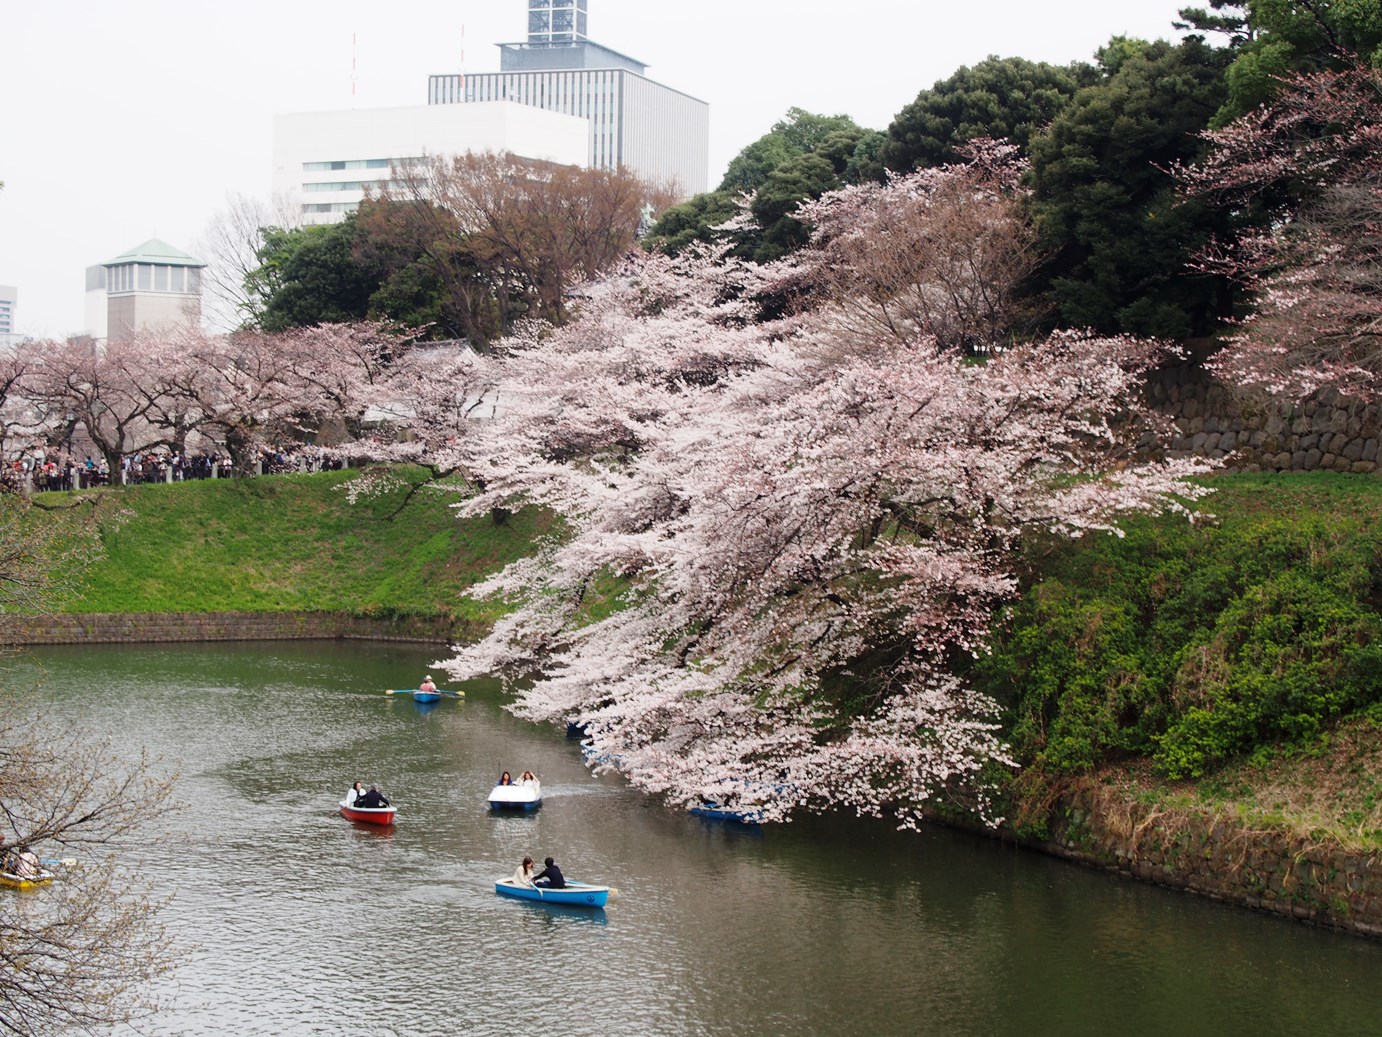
(291, 920)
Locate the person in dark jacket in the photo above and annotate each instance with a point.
(372, 798)
(550, 876)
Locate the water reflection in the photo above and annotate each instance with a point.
(824, 926)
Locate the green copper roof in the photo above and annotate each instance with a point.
(155, 251)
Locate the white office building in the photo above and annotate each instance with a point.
(151, 286)
(655, 132)
(324, 161)
(9, 302)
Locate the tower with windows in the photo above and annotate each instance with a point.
(556, 22)
(655, 132)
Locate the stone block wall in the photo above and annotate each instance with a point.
(114, 628)
(1322, 433)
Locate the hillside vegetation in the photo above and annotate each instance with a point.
(1233, 664)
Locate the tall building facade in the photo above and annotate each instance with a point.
(152, 286)
(9, 302)
(325, 161)
(655, 132)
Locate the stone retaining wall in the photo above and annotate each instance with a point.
(1322, 433)
(113, 628)
(1318, 882)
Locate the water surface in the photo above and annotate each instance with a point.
(294, 921)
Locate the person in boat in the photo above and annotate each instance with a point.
(550, 876)
(353, 794)
(528, 779)
(427, 685)
(21, 863)
(372, 799)
(506, 778)
(523, 874)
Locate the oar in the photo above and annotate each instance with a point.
(65, 861)
(409, 691)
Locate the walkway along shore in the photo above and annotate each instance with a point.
(1103, 825)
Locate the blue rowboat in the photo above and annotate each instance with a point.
(575, 894)
(714, 812)
(426, 696)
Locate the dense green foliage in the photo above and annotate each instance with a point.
(1007, 98)
(295, 543)
(1196, 644)
(800, 133)
(1273, 38)
(802, 157)
(1118, 236)
(337, 273)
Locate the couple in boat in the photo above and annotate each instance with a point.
(366, 799)
(550, 877)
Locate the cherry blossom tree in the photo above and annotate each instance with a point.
(1311, 163)
(778, 543)
(110, 389)
(254, 391)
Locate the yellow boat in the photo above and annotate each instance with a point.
(8, 878)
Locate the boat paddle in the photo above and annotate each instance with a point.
(64, 861)
(409, 691)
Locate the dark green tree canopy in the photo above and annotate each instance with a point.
(342, 272)
(799, 133)
(309, 275)
(1106, 208)
(1273, 38)
(802, 157)
(1009, 98)
(693, 220)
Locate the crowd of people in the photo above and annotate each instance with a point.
(53, 471)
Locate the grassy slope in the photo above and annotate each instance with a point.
(296, 542)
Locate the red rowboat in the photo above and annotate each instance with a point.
(369, 815)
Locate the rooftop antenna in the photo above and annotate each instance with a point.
(462, 82)
(352, 69)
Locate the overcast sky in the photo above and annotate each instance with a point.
(122, 120)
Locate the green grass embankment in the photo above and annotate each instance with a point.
(296, 543)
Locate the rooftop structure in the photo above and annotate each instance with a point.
(655, 132)
(152, 285)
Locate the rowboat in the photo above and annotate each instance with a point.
(516, 797)
(41, 878)
(369, 815)
(713, 811)
(426, 696)
(575, 894)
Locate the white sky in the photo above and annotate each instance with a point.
(122, 120)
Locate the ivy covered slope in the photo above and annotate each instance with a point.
(296, 542)
(1234, 664)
